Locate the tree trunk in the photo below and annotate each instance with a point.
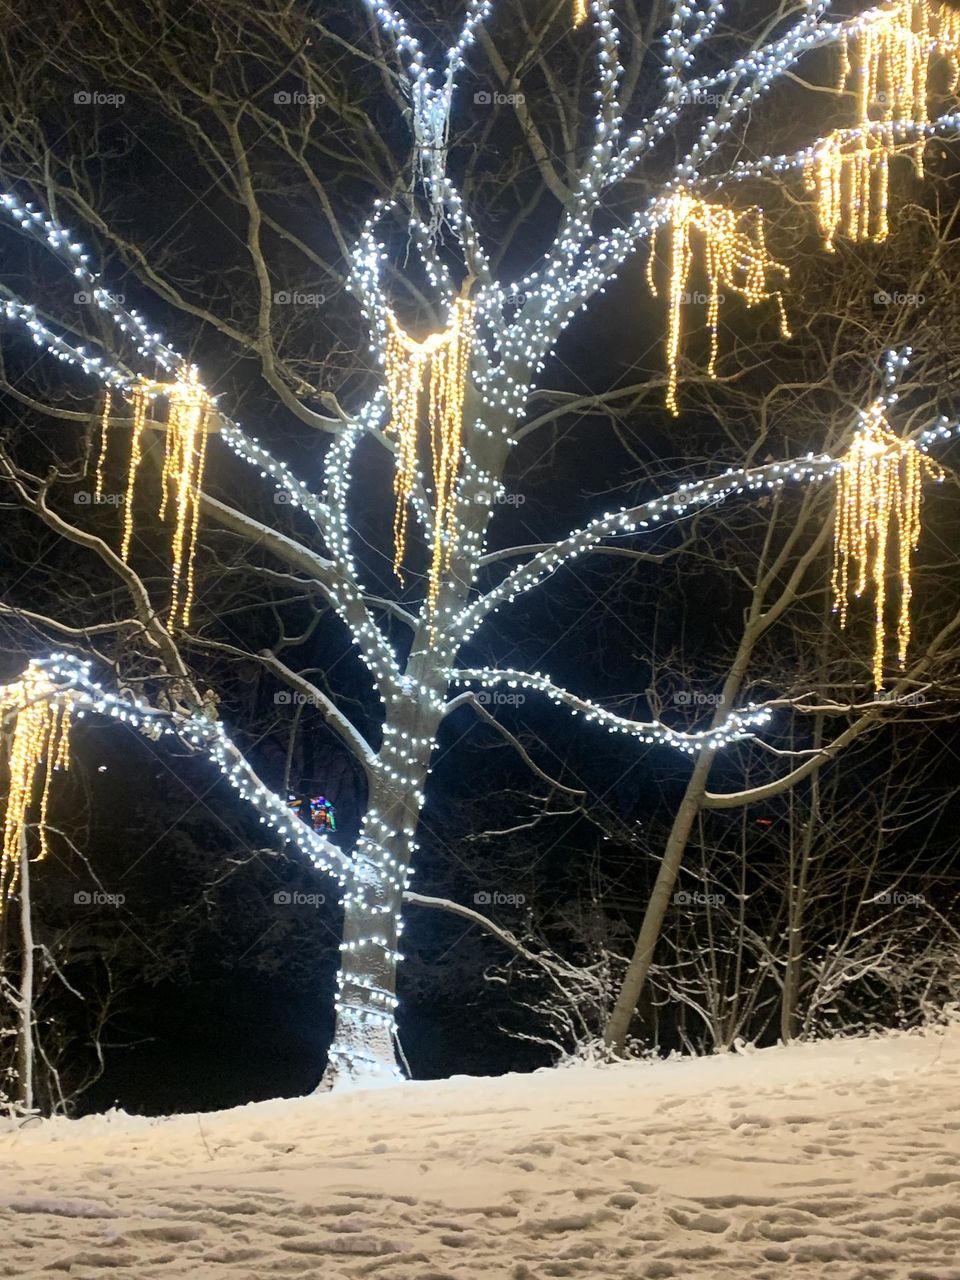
(25, 1004)
(798, 891)
(618, 1025)
(363, 1051)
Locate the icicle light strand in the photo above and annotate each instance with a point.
(445, 357)
(735, 259)
(885, 60)
(40, 743)
(190, 418)
(885, 63)
(104, 441)
(880, 491)
(850, 175)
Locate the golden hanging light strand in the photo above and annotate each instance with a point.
(40, 741)
(886, 59)
(189, 410)
(885, 62)
(405, 366)
(445, 357)
(879, 494)
(581, 11)
(104, 440)
(190, 418)
(850, 175)
(450, 368)
(141, 403)
(736, 259)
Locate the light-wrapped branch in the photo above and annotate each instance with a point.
(737, 726)
(63, 683)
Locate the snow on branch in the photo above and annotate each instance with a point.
(328, 709)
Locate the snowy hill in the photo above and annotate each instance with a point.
(839, 1159)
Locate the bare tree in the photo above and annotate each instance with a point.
(626, 173)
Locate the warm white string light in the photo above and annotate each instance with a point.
(438, 365)
(735, 259)
(191, 416)
(885, 62)
(879, 496)
(39, 745)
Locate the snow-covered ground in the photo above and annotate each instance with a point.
(840, 1159)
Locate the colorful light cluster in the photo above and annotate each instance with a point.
(321, 811)
(879, 496)
(40, 745)
(735, 258)
(440, 365)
